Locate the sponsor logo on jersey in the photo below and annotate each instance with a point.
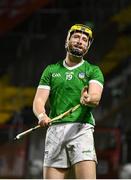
(69, 75)
(56, 75)
(81, 75)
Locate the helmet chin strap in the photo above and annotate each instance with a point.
(76, 52)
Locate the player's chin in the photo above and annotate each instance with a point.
(77, 51)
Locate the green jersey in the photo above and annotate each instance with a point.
(65, 84)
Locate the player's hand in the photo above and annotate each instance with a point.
(44, 120)
(85, 97)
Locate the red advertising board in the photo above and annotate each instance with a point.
(14, 11)
(12, 160)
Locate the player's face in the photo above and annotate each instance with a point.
(78, 43)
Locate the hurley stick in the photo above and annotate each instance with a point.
(54, 119)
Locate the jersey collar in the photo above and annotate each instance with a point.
(73, 67)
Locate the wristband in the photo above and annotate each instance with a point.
(41, 115)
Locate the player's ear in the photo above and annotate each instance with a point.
(89, 44)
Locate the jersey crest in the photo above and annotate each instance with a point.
(81, 75)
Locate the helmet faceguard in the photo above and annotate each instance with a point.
(78, 28)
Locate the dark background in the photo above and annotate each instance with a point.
(32, 35)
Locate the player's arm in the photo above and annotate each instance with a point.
(91, 96)
(39, 102)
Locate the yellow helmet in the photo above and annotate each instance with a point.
(82, 28)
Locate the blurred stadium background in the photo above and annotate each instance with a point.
(32, 35)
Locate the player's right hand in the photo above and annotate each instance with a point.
(44, 120)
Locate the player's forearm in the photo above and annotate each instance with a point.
(38, 106)
(40, 100)
(93, 99)
(39, 111)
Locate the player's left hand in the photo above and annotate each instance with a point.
(85, 97)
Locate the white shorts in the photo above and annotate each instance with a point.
(67, 144)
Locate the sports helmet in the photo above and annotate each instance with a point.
(80, 28)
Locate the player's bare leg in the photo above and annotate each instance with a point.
(54, 173)
(85, 170)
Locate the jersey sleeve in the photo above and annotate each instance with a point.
(97, 76)
(45, 79)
